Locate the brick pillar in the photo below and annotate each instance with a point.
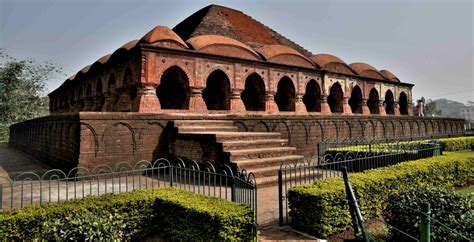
(346, 108)
(196, 102)
(396, 109)
(97, 103)
(270, 104)
(87, 104)
(365, 108)
(109, 102)
(236, 103)
(299, 105)
(124, 104)
(382, 108)
(325, 109)
(146, 100)
(410, 109)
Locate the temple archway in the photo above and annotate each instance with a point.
(285, 96)
(111, 83)
(127, 77)
(217, 91)
(312, 97)
(335, 98)
(253, 95)
(98, 87)
(89, 90)
(389, 103)
(373, 102)
(173, 91)
(403, 103)
(355, 102)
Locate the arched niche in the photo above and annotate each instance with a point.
(373, 102)
(216, 95)
(335, 98)
(173, 91)
(253, 95)
(355, 102)
(285, 96)
(312, 97)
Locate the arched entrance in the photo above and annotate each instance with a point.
(173, 91)
(285, 96)
(389, 103)
(312, 97)
(356, 100)
(217, 91)
(403, 103)
(373, 102)
(335, 98)
(253, 95)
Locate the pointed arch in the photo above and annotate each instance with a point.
(216, 95)
(253, 95)
(285, 96)
(173, 91)
(312, 97)
(335, 98)
(355, 102)
(403, 103)
(389, 103)
(373, 102)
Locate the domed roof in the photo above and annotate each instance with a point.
(129, 45)
(216, 44)
(162, 34)
(102, 60)
(284, 55)
(84, 70)
(366, 70)
(390, 76)
(324, 59)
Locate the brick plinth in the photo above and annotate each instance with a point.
(236, 103)
(325, 106)
(146, 100)
(299, 105)
(196, 102)
(270, 104)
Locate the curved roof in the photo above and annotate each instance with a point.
(205, 43)
(102, 60)
(129, 45)
(84, 70)
(324, 59)
(366, 70)
(162, 34)
(284, 55)
(390, 76)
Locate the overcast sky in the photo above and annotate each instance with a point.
(426, 42)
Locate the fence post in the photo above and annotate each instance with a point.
(171, 176)
(354, 207)
(280, 197)
(425, 222)
(233, 190)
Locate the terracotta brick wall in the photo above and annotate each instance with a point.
(90, 139)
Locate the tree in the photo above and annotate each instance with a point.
(431, 109)
(22, 90)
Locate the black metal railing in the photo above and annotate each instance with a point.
(29, 188)
(355, 158)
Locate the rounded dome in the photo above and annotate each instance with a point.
(324, 59)
(284, 55)
(366, 70)
(84, 70)
(160, 35)
(390, 76)
(129, 45)
(102, 60)
(222, 45)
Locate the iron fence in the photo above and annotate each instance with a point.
(29, 188)
(357, 159)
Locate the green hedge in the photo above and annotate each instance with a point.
(457, 144)
(448, 208)
(321, 208)
(170, 213)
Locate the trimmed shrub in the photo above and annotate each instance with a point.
(454, 211)
(457, 144)
(171, 213)
(321, 208)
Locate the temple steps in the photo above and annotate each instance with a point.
(261, 153)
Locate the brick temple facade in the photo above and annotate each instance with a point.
(197, 91)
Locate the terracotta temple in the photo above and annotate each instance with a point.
(219, 86)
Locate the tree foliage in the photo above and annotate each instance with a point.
(22, 90)
(431, 109)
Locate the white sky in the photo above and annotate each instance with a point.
(425, 42)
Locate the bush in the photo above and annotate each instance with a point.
(321, 208)
(168, 212)
(457, 144)
(446, 207)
